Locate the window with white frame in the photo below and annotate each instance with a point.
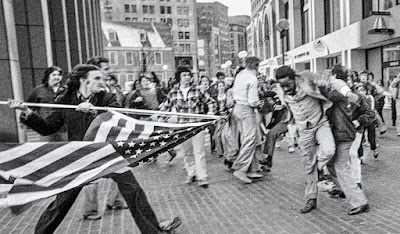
(128, 58)
(158, 58)
(113, 56)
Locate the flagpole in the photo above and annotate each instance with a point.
(126, 110)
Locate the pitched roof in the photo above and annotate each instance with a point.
(128, 34)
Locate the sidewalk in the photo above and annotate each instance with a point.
(270, 205)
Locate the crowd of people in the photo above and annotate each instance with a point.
(328, 117)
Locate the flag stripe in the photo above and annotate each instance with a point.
(106, 127)
(18, 152)
(20, 195)
(47, 159)
(106, 151)
(69, 157)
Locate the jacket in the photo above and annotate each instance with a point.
(342, 114)
(310, 83)
(44, 94)
(77, 122)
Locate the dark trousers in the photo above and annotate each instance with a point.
(379, 107)
(371, 138)
(277, 130)
(133, 194)
(394, 112)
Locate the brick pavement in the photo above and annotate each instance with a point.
(270, 205)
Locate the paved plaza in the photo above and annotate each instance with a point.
(269, 205)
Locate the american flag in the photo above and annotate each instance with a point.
(112, 142)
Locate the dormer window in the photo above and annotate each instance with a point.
(143, 36)
(112, 35)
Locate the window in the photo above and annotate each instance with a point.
(169, 11)
(127, 8)
(151, 9)
(158, 58)
(145, 9)
(181, 48)
(183, 23)
(128, 58)
(143, 37)
(180, 35)
(146, 19)
(164, 20)
(130, 76)
(185, 10)
(134, 19)
(127, 18)
(108, 16)
(179, 10)
(305, 22)
(332, 15)
(113, 56)
(187, 35)
(112, 36)
(162, 9)
(187, 47)
(133, 9)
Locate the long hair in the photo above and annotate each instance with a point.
(79, 71)
(47, 73)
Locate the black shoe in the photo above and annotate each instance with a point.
(228, 164)
(310, 205)
(359, 210)
(337, 193)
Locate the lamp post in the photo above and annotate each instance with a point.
(282, 26)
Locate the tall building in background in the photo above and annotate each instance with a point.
(238, 37)
(323, 33)
(37, 34)
(180, 15)
(213, 36)
(137, 47)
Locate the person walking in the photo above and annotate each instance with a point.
(188, 98)
(245, 95)
(85, 89)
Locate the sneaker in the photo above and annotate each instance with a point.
(291, 149)
(190, 179)
(242, 176)
(203, 182)
(253, 175)
(277, 145)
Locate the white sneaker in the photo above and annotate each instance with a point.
(291, 149)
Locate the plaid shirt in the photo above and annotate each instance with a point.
(196, 102)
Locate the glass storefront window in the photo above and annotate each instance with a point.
(391, 53)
